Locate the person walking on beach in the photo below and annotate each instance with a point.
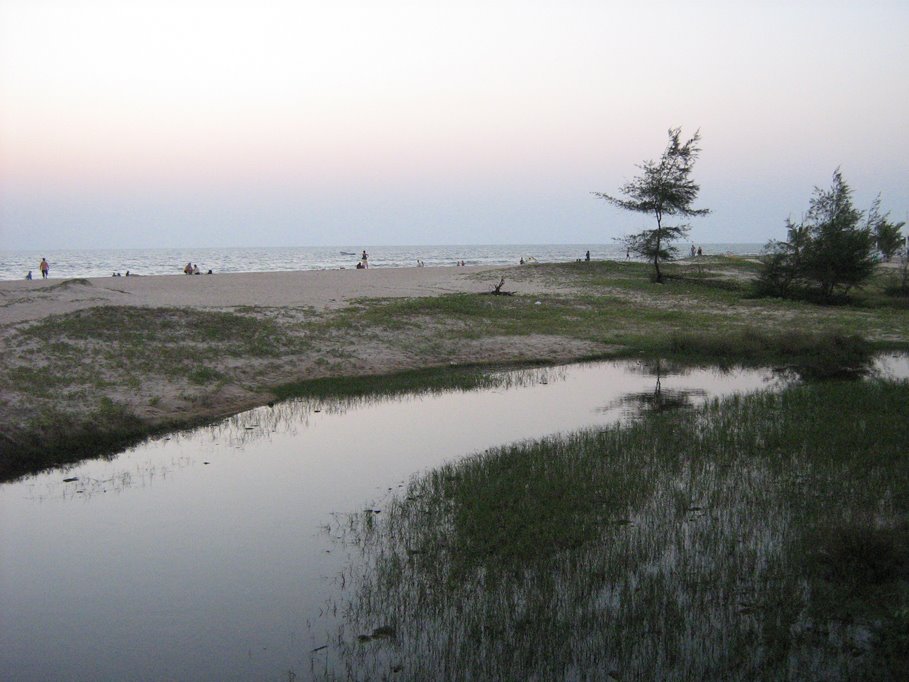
(45, 268)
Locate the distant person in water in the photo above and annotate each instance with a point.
(45, 268)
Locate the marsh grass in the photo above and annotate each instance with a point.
(762, 537)
(428, 380)
(66, 438)
(810, 355)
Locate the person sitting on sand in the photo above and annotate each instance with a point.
(196, 269)
(188, 269)
(29, 275)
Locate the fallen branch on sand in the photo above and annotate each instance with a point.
(497, 289)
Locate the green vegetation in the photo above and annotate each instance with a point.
(812, 356)
(107, 428)
(831, 252)
(429, 380)
(764, 537)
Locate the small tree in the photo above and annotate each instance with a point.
(664, 188)
(831, 249)
(841, 249)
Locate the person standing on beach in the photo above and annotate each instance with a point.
(364, 258)
(45, 268)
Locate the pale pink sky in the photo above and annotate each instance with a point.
(296, 123)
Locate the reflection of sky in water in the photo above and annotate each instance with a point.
(200, 555)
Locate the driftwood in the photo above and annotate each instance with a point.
(497, 289)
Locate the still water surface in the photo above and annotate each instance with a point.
(206, 555)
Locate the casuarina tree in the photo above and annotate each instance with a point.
(664, 189)
(830, 252)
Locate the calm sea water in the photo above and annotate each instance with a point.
(65, 264)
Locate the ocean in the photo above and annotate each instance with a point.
(69, 263)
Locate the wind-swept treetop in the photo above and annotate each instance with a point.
(664, 188)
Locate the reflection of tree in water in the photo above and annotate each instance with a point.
(659, 400)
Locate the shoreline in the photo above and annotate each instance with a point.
(27, 300)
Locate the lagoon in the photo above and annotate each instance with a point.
(210, 554)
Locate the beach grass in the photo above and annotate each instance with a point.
(761, 537)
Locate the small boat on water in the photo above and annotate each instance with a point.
(348, 253)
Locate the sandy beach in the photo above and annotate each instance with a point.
(22, 300)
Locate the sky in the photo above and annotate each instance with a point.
(134, 123)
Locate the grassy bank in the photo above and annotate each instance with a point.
(764, 537)
(91, 381)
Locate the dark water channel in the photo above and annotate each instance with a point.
(205, 555)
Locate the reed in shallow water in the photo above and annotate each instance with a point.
(759, 537)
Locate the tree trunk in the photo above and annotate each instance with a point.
(656, 253)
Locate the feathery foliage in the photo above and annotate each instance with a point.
(664, 188)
